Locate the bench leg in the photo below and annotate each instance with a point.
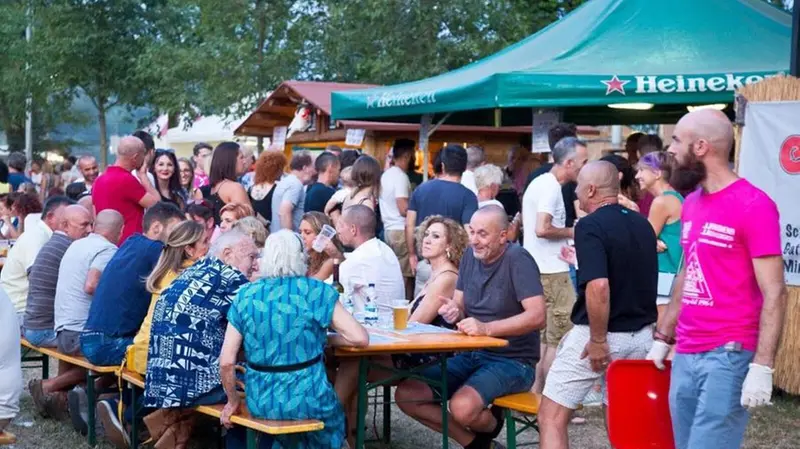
(45, 367)
(445, 435)
(361, 408)
(511, 430)
(387, 414)
(252, 439)
(92, 402)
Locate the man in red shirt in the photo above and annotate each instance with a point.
(118, 189)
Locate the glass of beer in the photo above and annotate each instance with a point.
(400, 314)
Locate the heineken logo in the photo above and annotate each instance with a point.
(661, 84)
(400, 99)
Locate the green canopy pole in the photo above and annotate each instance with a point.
(424, 125)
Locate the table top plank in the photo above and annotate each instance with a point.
(422, 343)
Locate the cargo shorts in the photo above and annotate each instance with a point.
(559, 295)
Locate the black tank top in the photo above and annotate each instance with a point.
(262, 207)
(216, 202)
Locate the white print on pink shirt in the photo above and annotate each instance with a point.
(695, 287)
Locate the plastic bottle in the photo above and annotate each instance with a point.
(370, 307)
(347, 300)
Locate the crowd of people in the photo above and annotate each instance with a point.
(171, 267)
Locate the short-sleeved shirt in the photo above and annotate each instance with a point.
(495, 292)
(187, 331)
(721, 235)
(43, 278)
(290, 189)
(17, 179)
(620, 245)
(121, 298)
(445, 198)
(317, 196)
(394, 185)
(567, 192)
(543, 195)
(14, 276)
(374, 262)
(119, 190)
(72, 302)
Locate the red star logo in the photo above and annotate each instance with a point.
(615, 85)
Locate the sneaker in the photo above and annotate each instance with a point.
(78, 410)
(35, 388)
(113, 429)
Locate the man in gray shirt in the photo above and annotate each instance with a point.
(498, 294)
(79, 273)
(288, 201)
(49, 396)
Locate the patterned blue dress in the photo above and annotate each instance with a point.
(284, 321)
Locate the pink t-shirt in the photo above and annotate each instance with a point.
(200, 180)
(118, 189)
(721, 234)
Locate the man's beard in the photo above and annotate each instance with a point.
(688, 174)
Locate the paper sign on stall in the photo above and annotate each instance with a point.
(543, 120)
(279, 136)
(354, 137)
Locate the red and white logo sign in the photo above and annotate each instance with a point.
(615, 85)
(790, 155)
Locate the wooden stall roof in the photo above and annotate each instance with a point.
(278, 110)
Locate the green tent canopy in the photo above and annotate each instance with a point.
(668, 53)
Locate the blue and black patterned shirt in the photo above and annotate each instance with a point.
(188, 329)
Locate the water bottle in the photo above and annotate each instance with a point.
(347, 300)
(370, 307)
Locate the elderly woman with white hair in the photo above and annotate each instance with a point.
(282, 321)
(488, 179)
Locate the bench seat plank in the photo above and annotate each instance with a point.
(521, 402)
(267, 426)
(71, 359)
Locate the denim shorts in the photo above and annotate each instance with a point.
(705, 398)
(45, 338)
(102, 350)
(490, 375)
(69, 342)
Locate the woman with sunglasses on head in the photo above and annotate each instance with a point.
(164, 168)
(227, 164)
(653, 173)
(186, 172)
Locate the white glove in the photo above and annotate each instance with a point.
(757, 387)
(658, 352)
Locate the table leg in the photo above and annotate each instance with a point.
(92, 400)
(387, 414)
(361, 409)
(443, 389)
(45, 367)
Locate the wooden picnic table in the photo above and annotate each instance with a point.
(441, 344)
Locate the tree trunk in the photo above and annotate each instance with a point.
(101, 120)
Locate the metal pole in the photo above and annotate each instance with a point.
(425, 124)
(794, 64)
(29, 100)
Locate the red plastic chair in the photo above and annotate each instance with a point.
(638, 405)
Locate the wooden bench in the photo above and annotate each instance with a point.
(243, 418)
(526, 404)
(92, 373)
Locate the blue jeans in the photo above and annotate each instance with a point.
(704, 399)
(573, 275)
(102, 350)
(45, 338)
(490, 375)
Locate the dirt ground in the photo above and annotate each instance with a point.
(775, 427)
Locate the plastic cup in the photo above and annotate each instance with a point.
(400, 314)
(323, 238)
